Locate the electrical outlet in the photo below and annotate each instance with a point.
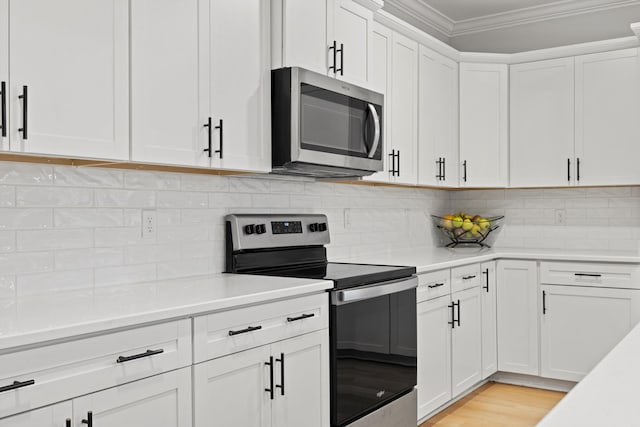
(560, 216)
(148, 224)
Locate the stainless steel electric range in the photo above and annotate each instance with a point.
(372, 317)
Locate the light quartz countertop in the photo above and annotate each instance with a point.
(608, 395)
(34, 319)
(427, 259)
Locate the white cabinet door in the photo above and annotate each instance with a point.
(4, 73)
(517, 304)
(489, 324)
(542, 101)
(159, 401)
(73, 57)
(299, 36)
(466, 340)
(302, 381)
(230, 391)
(239, 84)
(404, 109)
(380, 81)
(484, 125)
(352, 30)
(607, 111)
(579, 325)
(49, 416)
(438, 121)
(434, 354)
(167, 109)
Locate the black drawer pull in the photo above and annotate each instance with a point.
(16, 385)
(271, 390)
(89, 420)
(147, 353)
(281, 385)
(588, 274)
(67, 423)
(25, 111)
(486, 287)
(3, 107)
(301, 317)
(437, 285)
(453, 315)
(244, 331)
(468, 277)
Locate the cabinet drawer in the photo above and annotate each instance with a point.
(465, 277)
(56, 372)
(219, 334)
(433, 285)
(590, 274)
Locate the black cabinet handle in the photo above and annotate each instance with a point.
(589, 274)
(578, 169)
(147, 353)
(270, 390)
(458, 319)
(464, 167)
(444, 168)
(25, 109)
(398, 154)
(393, 162)
(209, 131)
(281, 385)
(341, 69)
(486, 286)
(453, 315)
(244, 331)
(301, 317)
(334, 48)
(3, 108)
(436, 285)
(89, 420)
(468, 277)
(221, 129)
(568, 169)
(17, 385)
(544, 302)
(439, 163)
(67, 422)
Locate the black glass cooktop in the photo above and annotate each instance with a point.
(344, 275)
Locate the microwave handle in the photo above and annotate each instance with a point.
(376, 134)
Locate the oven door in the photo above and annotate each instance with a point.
(373, 347)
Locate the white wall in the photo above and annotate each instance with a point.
(64, 227)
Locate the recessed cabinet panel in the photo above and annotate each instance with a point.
(352, 30)
(50, 416)
(466, 341)
(73, 58)
(239, 84)
(607, 111)
(489, 323)
(4, 73)
(167, 109)
(542, 100)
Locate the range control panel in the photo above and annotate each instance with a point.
(251, 231)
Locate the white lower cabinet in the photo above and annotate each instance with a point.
(466, 340)
(517, 317)
(282, 384)
(489, 322)
(50, 416)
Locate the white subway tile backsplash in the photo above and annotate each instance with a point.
(25, 174)
(53, 196)
(87, 218)
(183, 268)
(40, 240)
(147, 180)
(193, 182)
(248, 185)
(122, 275)
(7, 286)
(7, 196)
(125, 198)
(25, 219)
(121, 236)
(270, 201)
(88, 177)
(7, 241)
(33, 262)
(230, 200)
(72, 259)
(151, 253)
(182, 199)
(38, 283)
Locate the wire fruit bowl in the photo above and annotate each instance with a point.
(464, 230)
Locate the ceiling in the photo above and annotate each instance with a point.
(509, 26)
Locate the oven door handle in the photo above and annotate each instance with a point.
(376, 134)
(373, 291)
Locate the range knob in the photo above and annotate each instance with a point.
(249, 229)
(313, 227)
(322, 226)
(261, 229)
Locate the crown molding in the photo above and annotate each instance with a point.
(372, 5)
(635, 27)
(560, 9)
(423, 13)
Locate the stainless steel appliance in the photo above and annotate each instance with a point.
(323, 127)
(372, 317)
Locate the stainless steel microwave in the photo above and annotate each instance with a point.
(324, 127)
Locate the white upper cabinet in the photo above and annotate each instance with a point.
(331, 37)
(382, 46)
(4, 75)
(438, 119)
(69, 67)
(239, 84)
(542, 103)
(607, 129)
(167, 108)
(403, 103)
(484, 125)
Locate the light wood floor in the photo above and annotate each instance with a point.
(498, 405)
